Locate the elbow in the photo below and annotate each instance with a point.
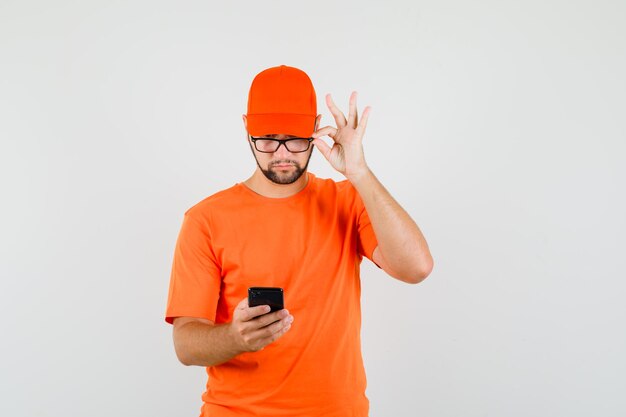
(182, 357)
(420, 273)
(412, 270)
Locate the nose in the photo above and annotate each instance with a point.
(282, 151)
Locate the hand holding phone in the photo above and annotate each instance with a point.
(254, 324)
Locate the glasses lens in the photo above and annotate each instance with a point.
(297, 145)
(266, 145)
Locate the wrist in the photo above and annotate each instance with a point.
(359, 176)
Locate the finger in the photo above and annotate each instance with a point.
(270, 333)
(326, 130)
(252, 312)
(269, 340)
(281, 331)
(278, 325)
(273, 317)
(353, 113)
(340, 119)
(323, 148)
(360, 130)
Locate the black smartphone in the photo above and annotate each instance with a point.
(272, 296)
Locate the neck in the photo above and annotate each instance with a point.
(261, 185)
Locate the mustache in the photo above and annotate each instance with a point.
(283, 162)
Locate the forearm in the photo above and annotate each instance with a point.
(400, 240)
(204, 344)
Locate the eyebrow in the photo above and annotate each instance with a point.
(269, 135)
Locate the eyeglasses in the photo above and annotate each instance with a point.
(270, 145)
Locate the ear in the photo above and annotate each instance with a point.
(245, 125)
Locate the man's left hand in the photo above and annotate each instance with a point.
(346, 154)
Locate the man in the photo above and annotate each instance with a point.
(284, 227)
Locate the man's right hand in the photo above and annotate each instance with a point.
(253, 329)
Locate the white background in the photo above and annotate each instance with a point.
(498, 125)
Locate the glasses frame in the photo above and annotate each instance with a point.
(280, 142)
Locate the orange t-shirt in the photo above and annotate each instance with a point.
(310, 244)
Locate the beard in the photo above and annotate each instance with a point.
(280, 175)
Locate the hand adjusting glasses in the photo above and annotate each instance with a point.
(271, 145)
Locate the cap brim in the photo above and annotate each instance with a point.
(301, 125)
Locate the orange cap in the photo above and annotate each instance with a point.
(281, 100)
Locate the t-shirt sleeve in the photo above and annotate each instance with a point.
(367, 238)
(195, 276)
